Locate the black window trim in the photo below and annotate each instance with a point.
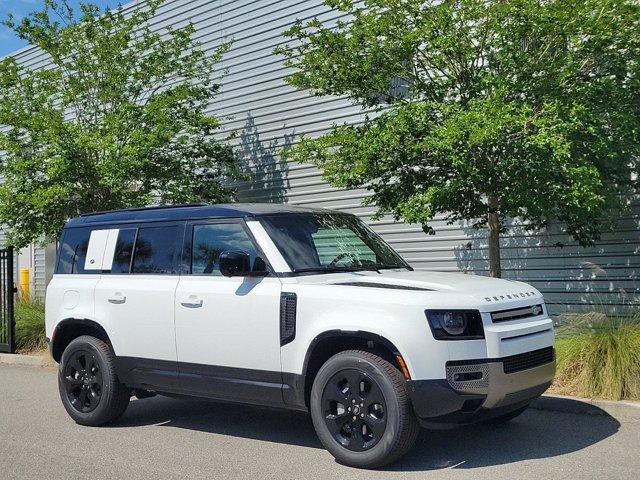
(133, 251)
(186, 264)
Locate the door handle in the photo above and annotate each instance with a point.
(117, 298)
(192, 302)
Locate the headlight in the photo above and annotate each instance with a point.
(455, 324)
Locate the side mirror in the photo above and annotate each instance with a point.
(234, 264)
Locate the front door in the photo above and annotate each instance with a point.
(227, 328)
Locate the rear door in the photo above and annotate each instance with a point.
(227, 328)
(136, 296)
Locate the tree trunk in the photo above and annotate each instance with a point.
(494, 237)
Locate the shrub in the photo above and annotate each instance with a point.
(30, 331)
(600, 357)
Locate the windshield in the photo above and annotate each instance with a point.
(327, 242)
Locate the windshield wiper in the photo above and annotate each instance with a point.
(382, 266)
(322, 269)
(352, 268)
(388, 267)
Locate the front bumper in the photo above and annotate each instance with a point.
(475, 390)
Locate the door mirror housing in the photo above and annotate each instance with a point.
(260, 268)
(235, 264)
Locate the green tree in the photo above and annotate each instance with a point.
(117, 118)
(480, 109)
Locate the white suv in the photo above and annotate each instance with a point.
(288, 307)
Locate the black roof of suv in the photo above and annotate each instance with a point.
(188, 212)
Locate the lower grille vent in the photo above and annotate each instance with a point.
(524, 361)
(470, 378)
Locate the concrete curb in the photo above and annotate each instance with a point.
(586, 406)
(25, 360)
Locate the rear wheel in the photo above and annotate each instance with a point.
(89, 387)
(361, 411)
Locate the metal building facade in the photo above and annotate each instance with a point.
(265, 114)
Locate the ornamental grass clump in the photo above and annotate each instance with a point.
(600, 358)
(30, 330)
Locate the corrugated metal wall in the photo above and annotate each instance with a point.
(265, 114)
(39, 272)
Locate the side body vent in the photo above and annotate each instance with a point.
(288, 303)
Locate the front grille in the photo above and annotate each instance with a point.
(524, 361)
(517, 313)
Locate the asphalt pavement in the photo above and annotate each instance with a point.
(163, 438)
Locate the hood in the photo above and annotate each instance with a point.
(486, 290)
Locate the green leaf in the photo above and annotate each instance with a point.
(534, 105)
(119, 119)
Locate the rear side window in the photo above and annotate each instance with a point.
(73, 251)
(155, 250)
(137, 250)
(124, 251)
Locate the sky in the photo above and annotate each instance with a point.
(20, 8)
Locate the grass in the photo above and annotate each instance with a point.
(599, 357)
(30, 331)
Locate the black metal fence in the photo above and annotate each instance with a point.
(7, 296)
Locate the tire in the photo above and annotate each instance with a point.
(506, 417)
(89, 388)
(375, 425)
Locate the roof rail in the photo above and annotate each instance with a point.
(137, 209)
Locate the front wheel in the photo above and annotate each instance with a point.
(361, 410)
(89, 387)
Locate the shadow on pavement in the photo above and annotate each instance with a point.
(271, 425)
(535, 434)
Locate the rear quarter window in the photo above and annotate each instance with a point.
(73, 251)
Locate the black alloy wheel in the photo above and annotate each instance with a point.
(83, 381)
(361, 410)
(90, 389)
(354, 409)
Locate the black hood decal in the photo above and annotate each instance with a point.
(384, 285)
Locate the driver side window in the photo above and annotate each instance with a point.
(210, 240)
(339, 243)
